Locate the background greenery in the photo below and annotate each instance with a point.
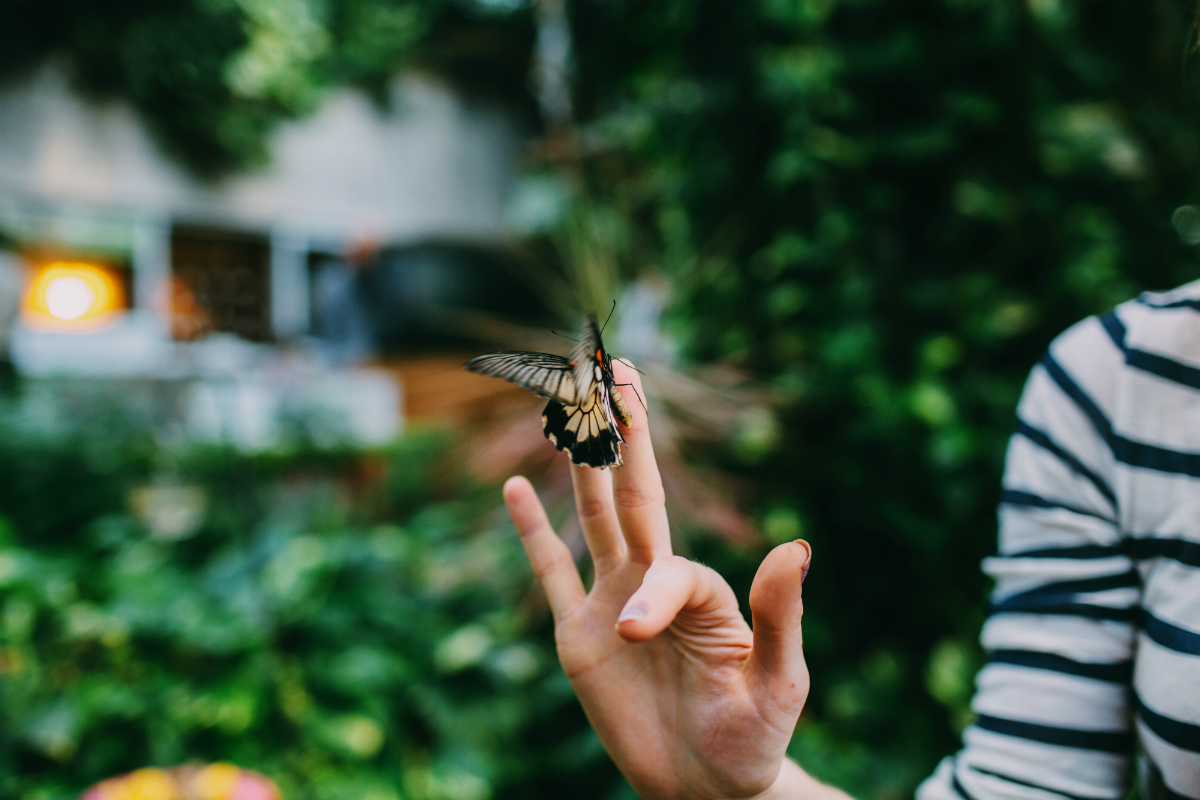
(882, 211)
(345, 622)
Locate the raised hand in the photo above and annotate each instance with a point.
(686, 699)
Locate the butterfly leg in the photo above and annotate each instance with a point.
(636, 394)
(629, 364)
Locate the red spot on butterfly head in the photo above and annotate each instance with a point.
(598, 356)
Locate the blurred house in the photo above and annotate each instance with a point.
(248, 293)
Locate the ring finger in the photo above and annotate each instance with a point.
(598, 516)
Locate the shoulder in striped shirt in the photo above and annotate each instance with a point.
(1094, 626)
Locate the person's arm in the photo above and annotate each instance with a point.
(1053, 701)
(688, 701)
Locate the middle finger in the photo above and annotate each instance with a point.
(637, 486)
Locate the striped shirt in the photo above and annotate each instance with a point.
(1093, 635)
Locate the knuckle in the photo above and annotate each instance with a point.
(591, 509)
(642, 554)
(634, 497)
(552, 564)
(793, 694)
(779, 627)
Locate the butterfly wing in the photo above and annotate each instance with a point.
(587, 431)
(587, 357)
(579, 417)
(545, 375)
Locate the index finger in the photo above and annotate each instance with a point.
(550, 558)
(637, 487)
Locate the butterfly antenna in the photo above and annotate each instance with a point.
(637, 394)
(568, 338)
(610, 313)
(629, 364)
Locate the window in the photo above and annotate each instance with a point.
(220, 281)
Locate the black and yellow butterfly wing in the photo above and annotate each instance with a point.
(586, 431)
(579, 422)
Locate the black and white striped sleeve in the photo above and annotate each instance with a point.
(1053, 701)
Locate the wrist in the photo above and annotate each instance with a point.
(788, 785)
(793, 783)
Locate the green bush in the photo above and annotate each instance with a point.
(347, 623)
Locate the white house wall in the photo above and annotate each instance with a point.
(74, 172)
(430, 165)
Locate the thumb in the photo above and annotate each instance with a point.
(776, 672)
(673, 584)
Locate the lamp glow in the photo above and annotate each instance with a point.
(69, 297)
(72, 296)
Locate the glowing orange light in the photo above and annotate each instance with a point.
(72, 296)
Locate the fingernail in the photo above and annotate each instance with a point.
(635, 611)
(807, 561)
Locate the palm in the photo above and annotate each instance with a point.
(685, 698)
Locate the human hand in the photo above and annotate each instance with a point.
(686, 699)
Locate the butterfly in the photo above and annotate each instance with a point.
(585, 403)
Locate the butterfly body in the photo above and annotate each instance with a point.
(584, 404)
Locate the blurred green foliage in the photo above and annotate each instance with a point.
(212, 78)
(354, 625)
(883, 211)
